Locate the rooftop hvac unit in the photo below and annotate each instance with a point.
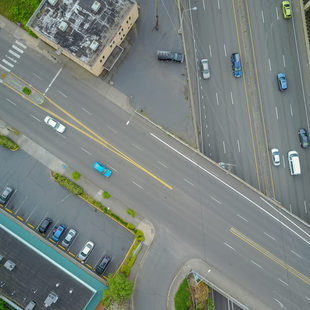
(63, 26)
(94, 45)
(96, 6)
(52, 2)
(9, 265)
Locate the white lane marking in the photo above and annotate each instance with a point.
(21, 44)
(269, 236)
(21, 204)
(280, 303)
(238, 143)
(87, 152)
(37, 76)
(65, 198)
(113, 168)
(215, 200)
(5, 68)
(7, 63)
(18, 49)
(225, 50)
(283, 160)
(36, 118)
(291, 110)
(277, 13)
(205, 116)
(305, 204)
(290, 204)
(210, 50)
(217, 99)
(259, 266)
(298, 255)
(263, 16)
(162, 164)
(242, 195)
(203, 3)
(308, 298)
(60, 92)
(112, 129)
(283, 61)
(277, 115)
(242, 217)
(14, 54)
(137, 184)
(86, 111)
(269, 64)
(7, 99)
(53, 80)
(190, 183)
(224, 147)
(218, 4)
(136, 146)
(231, 97)
(229, 246)
(282, 281)
(32, 211)
(203, 106)
(12, 59)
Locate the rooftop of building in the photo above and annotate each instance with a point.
(82, 27)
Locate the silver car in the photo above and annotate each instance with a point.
(275, 156)
(69, 238)
(205, 69)
(88, 247)
(54, 124)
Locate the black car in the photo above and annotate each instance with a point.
(45, 225)
(303, 138)
(103, 264)
(6, 194)
(171, 56)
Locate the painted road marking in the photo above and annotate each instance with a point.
(53, 80)
(14, 54)
(18, 49)
(7, 63)
(21, 44)
(259, 266)
(7, 99)
(137, 184)
(5, 68)
(21, 219)
(31, 226)
(6, 209)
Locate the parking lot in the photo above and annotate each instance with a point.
(36, 196)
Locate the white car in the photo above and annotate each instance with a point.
(88, 247)
(54, 124)
(205, 69)
(275, 156)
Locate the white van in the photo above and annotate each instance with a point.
(293, 162)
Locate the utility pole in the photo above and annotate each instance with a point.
(156, 25)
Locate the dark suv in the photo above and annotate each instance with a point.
(303, 138)
(171, 56)
(6, 194)
(103, 264)
(236, 64)
(45, 225)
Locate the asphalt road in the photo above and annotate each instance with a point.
(193, 219)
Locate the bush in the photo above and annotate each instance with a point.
(125, 270)
(131, 212)
(139, 235)
(106, 195)
(8, 143)
(76, 175)
(130, 226)
(182, 297)
(68, 184)
(26, 90)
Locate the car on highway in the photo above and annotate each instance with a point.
(286, 8)
(6, 194)
(69, 238)
(205, 69)
(275, 157)
(86, 250)
(58, 231)
(236, 65)
(45, 225)
(294, 163)
(170, 56)
(102, 169)
(282, 83)
(103, 264)
(303, 138)
(54, 124)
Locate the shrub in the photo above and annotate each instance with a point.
(182, 298)
(26, 90)
(68, 184)
(130, 226)
(76, 175)
(131, 212)
(125, 270)
(8, 143)
(139, 235)
(106, 195)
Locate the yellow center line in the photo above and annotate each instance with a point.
(266, 253)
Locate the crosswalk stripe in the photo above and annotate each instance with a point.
(15, 54)
(21, 44)
(8, 63)
(18, 49)
(12, 59)
(5, 68)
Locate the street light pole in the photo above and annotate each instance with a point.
(180, 30)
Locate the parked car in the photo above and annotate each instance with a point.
(303, 138)
(58, 231)
(171, 56)
(54, 124)
(205, 69)
(281, 77)
(69, 238)
(6, 194)
(102, 169)
(103, 264)
(286, 8)
(86, 250)
(275, 156)
(45, 225)
(236, 65)
(31, 305)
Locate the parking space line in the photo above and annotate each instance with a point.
(21, 219)
(6, 209)
(51, 240)
(60, 246)
(21, 204)
(31, 226)
(71, 254)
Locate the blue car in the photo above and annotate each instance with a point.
(282, 81)
(236, 65)
(102, 169)
(58, 231)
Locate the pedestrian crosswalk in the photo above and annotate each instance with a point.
(14, 54)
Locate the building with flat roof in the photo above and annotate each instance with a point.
(31, 270)
(90, 32)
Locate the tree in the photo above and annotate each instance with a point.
(119, 289)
